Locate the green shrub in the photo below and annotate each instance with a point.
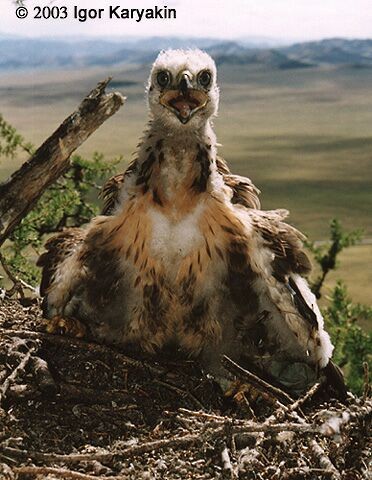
(353, 345)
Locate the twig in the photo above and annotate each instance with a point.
(227, 467)
(183, 393)
(32, 289)
(324, 460)
(301, 472)
(92, 396)
(212, 431)
(59, 472)
(79, 344)
(367, 387)
(17, 285)
(257, 382)
(309, 394)
(15, 373)
(204, 415)
(163, 444)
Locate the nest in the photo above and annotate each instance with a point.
(72, 409)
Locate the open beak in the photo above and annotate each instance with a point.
(185, 101)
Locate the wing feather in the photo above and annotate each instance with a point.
(244, 191)
(285, 242)
(58, 248)
(110, 193)
(289, 263)
(111, 189)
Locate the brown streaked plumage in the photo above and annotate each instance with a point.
(183, 254)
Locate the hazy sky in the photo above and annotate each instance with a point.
(278, 19)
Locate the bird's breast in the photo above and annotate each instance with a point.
(172, 240)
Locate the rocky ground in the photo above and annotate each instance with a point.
(72, 409)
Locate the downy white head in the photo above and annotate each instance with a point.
(182, 90)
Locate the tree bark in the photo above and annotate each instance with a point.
(20, 192)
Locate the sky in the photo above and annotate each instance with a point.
(281, 20)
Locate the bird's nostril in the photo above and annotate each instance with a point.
(184, 84)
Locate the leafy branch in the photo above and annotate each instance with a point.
(353, 346)
(326, 254)
(11, 141)
(68, 202)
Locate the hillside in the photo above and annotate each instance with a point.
(26, 53)
(333, 51)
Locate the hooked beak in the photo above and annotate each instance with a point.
(185, 101)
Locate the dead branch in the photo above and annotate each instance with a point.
(58, 472)
(211, 432)
(92, 396)
(227, 468)
(257, 382)
(175, 443)
(183, 393)
(204, 415)
(15, 373)
(17, 285)
(304, 472)
(24, 455)
(78, 344)
(309, 394)
(367, 386)
(323, 459)
(20, 192)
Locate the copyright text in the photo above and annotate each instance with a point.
(85, 14)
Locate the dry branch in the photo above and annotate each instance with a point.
(309, 394)
(74, 343)
(15, 373)
(20, 192)
(324, 460)
(62, 473)
(257, 382)
(212, 432)
(175, 442)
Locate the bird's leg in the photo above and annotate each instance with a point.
(66, 326)
(243, 395)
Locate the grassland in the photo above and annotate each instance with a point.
(303, 136)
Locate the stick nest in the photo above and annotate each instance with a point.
(70, 409)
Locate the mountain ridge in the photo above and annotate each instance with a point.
(40, 53)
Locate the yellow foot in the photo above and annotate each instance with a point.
(245, 395)
(66, 326)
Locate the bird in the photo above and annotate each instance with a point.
(183, 254)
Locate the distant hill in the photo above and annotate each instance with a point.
(26, 53)
(233, 53)
(333, 51)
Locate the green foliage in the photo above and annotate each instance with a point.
(326, 254)
(11, 141)
(353, 346)
(67, 203)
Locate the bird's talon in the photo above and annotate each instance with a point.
(66, 326)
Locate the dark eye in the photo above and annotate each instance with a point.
(204, 78)
(163, 78)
